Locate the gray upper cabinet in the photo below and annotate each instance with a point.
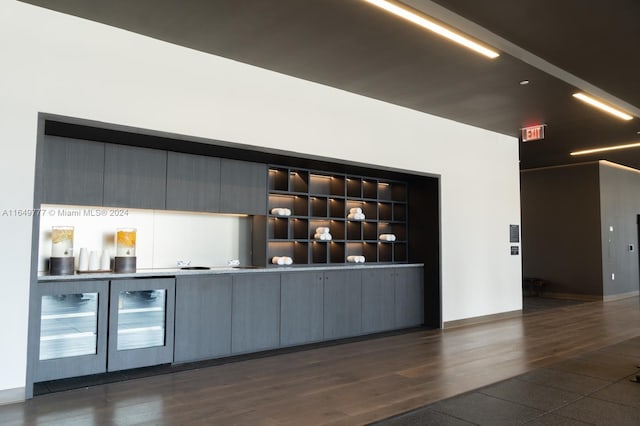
(301, 307)
(342, 304)
(203, 317)
(409, 296)
(193, 182)
(73, 171)
(243, 187)
(135, 177)
(255, 318)
(378, 300)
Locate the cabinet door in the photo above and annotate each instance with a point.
(73, 171)
(255, 318)
(301, 313)
(135, 177)
(193, 182)
(409, 296)
(342, 304)
(243, 187)
(378, 300)
(141, 322)
(203, 317)
(72, 329)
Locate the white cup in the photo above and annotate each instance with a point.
(105, 261)
(83, 260)
(94, 261)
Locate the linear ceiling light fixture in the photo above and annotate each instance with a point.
(606, 148)
(602, 106)
(424, 22)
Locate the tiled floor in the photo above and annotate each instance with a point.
(592, 389)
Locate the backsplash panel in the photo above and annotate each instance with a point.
(163, 237)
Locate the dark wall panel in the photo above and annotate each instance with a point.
(561, 228)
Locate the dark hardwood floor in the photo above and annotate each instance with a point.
(348, 384)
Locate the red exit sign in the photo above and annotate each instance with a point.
(533, 133)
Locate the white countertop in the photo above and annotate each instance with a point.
(174, 272)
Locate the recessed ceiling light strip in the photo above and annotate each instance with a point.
(606, 148)
(430, 25)
(602, 106)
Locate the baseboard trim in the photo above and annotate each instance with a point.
(11, 396)
(621, 296)
(482, 319)
(573, 296)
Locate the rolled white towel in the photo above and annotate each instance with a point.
(355, 259)
(322, 230)
(355, 210)
(281, 211)
(356, 216)
(281, 260)
(387, 237)
(323, 237)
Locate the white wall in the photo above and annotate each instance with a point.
(64, 65)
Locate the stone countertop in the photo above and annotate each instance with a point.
(177, 272)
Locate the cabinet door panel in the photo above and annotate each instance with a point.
(141, 313)
(135, 177)
(342, 304)
(193, 182)
(255, 318)
(243, 187)
(409, 297)
(203, 317)
(301, 319)
(72, 329)
(73, 171)
(378, 300)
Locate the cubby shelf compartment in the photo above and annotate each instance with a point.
(324, 199)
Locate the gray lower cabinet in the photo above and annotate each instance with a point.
(342, 304)
(193, 182)
(71, 329)
(141, 321)
(243, 187)
(135, 177)
(409, 296)
(203, 317)
(255, 314)
(378, 300)
(72, 171)
(301, 308)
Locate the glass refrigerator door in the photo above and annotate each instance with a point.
(141, 322)
(71, 326)
(68, 325)
(141, 319)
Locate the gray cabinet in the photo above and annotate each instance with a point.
(135, 177)
(342, 304)
(243, 187)
(73, 171)
(193, 182)
(203, 317)
(409, 296)
(141, 320)
(378, 300)
(71, 327)
(301, 308)
(255, 318)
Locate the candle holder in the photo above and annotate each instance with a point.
(125, 259)
(62, 260)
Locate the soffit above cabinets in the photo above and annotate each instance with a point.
(351, 45)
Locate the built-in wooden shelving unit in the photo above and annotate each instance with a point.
(321, 199)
